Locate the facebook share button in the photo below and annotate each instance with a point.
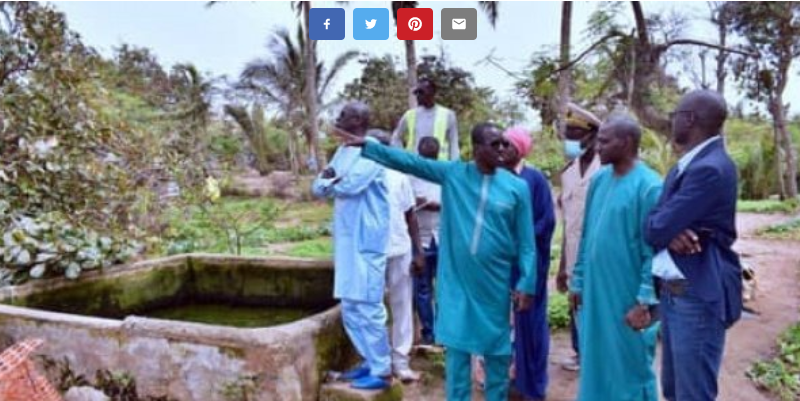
(326, 24)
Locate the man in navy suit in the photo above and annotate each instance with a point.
(692, 229)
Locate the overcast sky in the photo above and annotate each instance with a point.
(221, 39)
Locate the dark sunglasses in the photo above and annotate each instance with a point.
(499, 144)
(674, 114)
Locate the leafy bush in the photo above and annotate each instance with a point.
(768, 206)
(558, 311)
(321, 248)
(781, 374)
(789, 230)
(48, 245)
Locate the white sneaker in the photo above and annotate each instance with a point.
(571, 364)
(406, 375)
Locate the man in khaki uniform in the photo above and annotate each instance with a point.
(579, 146)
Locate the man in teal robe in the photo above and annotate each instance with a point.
(485, 229)
(612, 285)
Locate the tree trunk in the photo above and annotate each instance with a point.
(785, 145)
(645, 74)
(310, 63)
(564, 76)
(411, 72)
(722, 56)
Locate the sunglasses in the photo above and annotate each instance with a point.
(674, 114)
(499, 144)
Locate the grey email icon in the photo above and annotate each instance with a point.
(460, 23)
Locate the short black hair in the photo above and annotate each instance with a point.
(478, 134)
(625, 126)
(428, 81)
(426, 141)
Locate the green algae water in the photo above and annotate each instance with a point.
(230, 315)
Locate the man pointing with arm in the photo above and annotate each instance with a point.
(482, 236)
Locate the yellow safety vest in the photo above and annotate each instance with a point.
(439, 131)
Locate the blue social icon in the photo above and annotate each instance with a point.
(326, 24)
(371, 23)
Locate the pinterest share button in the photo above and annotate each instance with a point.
(415, 24)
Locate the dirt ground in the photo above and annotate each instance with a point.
(777, 264)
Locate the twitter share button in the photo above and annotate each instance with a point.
(371, 23)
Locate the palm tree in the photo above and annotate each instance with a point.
(489, 7)
(281, 80)
(310, 90)
(565, 75)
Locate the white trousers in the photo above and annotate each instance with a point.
(399, 285)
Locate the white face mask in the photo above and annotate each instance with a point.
(573, 149)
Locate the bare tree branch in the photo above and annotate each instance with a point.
(491, 60)
(693, 42)
(595, 45)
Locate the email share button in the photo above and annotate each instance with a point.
(459, 24)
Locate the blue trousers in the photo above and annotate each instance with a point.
(573, 332)
(458, 372)
(693, 342)
(532, 347)
(423, 291)
(365, 324)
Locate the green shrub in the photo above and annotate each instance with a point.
(558, 311)
(321, 248)
(768, 206)
(789, 230)
(780, 375)
(48, 245)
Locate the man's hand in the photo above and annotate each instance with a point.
(575, 301)
(432, 206)
(522, 301)
(686, 243)
(638, 318)
(349, 139)
(562, 280)
(328, 173)
(418, 264)
(421, 201)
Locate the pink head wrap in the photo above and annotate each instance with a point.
(520, 138)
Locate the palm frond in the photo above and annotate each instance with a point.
(396, 5)
(335, 69)
(491, 10)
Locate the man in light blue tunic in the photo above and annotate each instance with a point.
(612, 283)
(360, 234)
(485, 229)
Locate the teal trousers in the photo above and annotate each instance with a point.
(458, 370)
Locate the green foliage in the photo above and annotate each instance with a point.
(547, 154)
(85, 141)
(657, 152)
(267, 142)
(780, 375)
(380, 83)
(558, 311)
(48, 246)
(789, 230)
(751, 145)
(244, 388)
(380, 86)
(768, 206)
(207, 228)
(321, 248)
(220, 226)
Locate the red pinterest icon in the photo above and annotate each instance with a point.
(415, 23)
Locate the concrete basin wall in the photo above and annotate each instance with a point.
(183, 360)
